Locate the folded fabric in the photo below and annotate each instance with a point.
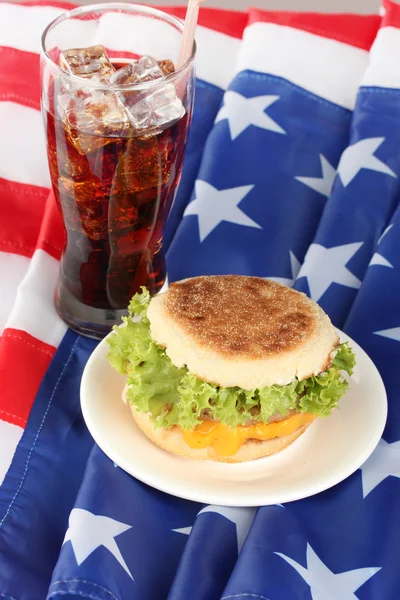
(366, 188)
(272, 183)
(270, 161)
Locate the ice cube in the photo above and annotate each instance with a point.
(149, 109)
(65, 101)
(157, 109)
(89, 63)
(125, 75)
(138, 71)
(148, 68)
(144, 69)
(166, 66)
(95, 119)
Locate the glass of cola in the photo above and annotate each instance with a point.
(116, 111)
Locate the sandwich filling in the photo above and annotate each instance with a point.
(208, 414)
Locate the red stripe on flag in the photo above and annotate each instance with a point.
(21, 212)
(230, 22)
(18, 383)
(52, 233)
(391, 17)
(20, 77)
(63, 5)
(355, 30)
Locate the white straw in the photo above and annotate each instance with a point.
(192, 14)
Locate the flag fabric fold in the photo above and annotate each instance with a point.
(270, 161)
(128, 549)
(366, 188)
(291, 173)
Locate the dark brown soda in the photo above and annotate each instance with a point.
(115, 199)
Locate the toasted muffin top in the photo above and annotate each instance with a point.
(234, 330)
(246, 317)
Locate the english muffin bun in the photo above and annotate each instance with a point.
(241, 331)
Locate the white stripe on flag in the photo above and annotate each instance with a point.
(10, 436)
(13, 268)
(138, 34)
(34, 310)
(22, 145)
(216, 56)
(21, 26)
(383, 69)
(325, 67)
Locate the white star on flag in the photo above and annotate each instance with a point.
(392, 334)
(324, 266)
(242, 112)
(323, 184)
(213, 206)
(295, 268)
(361, 156)
(326, 585)
(388, 228)
(379, 259)
(87, 532)
(241, 517)
(383, 462)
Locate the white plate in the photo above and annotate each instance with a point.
(329, 451)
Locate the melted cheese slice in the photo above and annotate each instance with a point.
(227, 441)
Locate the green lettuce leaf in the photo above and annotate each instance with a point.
(277, 399)
(175, 396)
(344, 359)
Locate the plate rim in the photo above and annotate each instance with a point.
(319, 486)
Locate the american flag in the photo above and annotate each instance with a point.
(292, 173)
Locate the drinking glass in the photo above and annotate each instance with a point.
(116, 116)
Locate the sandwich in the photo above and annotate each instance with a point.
(228, 368)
